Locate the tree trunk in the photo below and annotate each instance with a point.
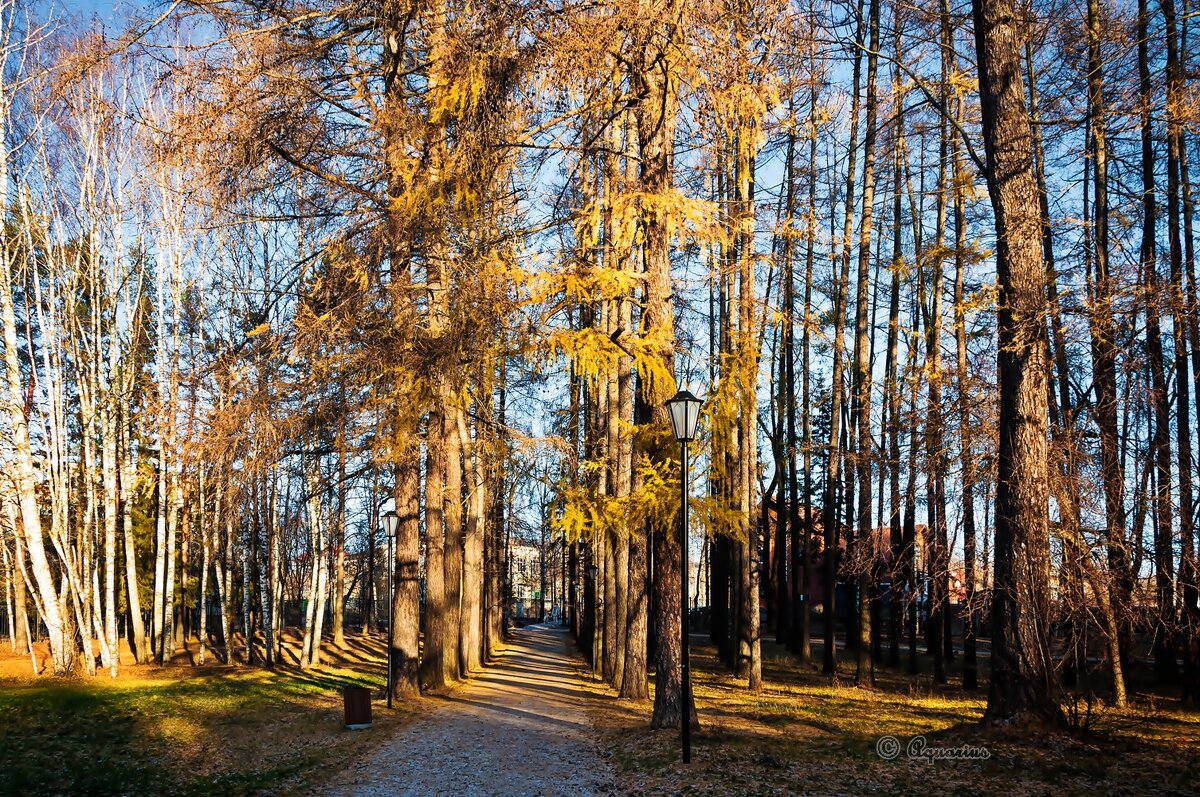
(406, 619)
(338, 610)
(891, 388)
(1164, 654)
(471, 639)
(160, 557)
(452, 562)
(965, 423)
(206, 563)
(654, 80)
(1104, 356)
(1022, 687)
(834, 475)
(864, 674)
(46, 597)
(1182, 317)
(132, 591)
(433, 666)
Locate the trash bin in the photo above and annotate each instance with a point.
(357, 702)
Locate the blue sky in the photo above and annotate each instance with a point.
(105, 10)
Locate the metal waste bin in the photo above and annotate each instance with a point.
(357, 702)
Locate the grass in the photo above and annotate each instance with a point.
(236, 732)
(804, 734)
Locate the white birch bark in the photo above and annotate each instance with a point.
(266, 512)
(225, 584)
(132, 590)
(310, 648)
(24, 478)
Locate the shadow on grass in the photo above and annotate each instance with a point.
(806, 734)
(231, 733)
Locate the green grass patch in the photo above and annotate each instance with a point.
(240, 733)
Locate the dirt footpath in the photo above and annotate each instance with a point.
(518, 728)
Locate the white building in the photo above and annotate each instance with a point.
(524, 579)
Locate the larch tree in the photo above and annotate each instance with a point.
(1022, 689)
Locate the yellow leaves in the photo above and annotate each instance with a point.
(585, 284)
(697, 220)
(592, 352)
(261, 329)
(457, 79)
(962, 83)
(718, 516)
(595, 354)
(455, 98)
(575, 519)
(657, 502)
(647, 350)
(900, 267)
(585, 513)
(421, 199)
(740, 109)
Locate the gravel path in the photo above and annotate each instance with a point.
(518, 728)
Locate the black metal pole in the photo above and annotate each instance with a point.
(685, 722)
(391, 618)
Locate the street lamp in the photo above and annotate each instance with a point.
(391, 524)
(684, 409)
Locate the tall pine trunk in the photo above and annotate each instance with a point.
(1104, 360)
(864, 556)
(1022, 689)
(405, 606)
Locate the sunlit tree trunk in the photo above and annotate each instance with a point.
(891, 387)
(750, 658)
(471, 619)
(405, 607)
(1022, 688)
(654, 79)
(132, 590)
(453, 559)
(338, 593)
(46, 597)
(863, 557)
(433, 666)
(268, 597)
(620, 395)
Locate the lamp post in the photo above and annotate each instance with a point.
(391, 524)
(684, 409)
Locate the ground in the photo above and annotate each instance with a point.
(804, 734)
(185, 730)
(534, 723)
(519, 728)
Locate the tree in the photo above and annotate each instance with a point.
(1022, 688)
